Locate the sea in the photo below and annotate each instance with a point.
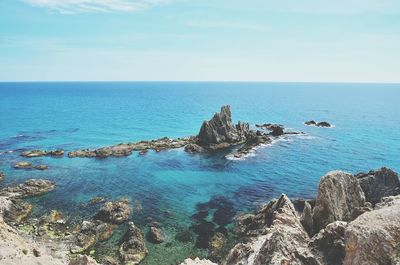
(172, 187)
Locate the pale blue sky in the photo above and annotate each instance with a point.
(216, 40)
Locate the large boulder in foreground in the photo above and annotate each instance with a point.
(340, 198)
(378, 184)
(133, 250)
(374, 237)
(284, 242)
(219, 132)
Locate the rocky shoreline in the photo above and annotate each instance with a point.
(218, 133)
(355, 219)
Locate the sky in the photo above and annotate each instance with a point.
(200, 40)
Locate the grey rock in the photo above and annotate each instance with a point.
(339, 199)
(155, 235)
(133, 250)
(378, 184)
(32, 187)
(114, 212)
(90, 233)
(194, 148)
(306, 218)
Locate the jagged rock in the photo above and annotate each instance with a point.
(194, 148)
(155, 235)
(114, 212)
(1, 176)
(83, 260)
(306, 218)
(38, 153)
(219, 132)
(133, 250)
(276, 129)
(90, 233)
(23, 165)
(312, 122)
(17, 211)
(197, 261)
(253, 140)
(32, 187)
(328, 244)
(339, 198)
(378, 184)
(285, 241)
(373, 238)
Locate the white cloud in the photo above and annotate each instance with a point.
(76, 6)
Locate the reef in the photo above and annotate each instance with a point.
(39, 153)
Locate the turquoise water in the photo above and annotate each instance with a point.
(365, 136)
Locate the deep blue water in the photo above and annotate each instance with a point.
(86, 115)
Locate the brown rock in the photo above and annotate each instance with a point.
(133, 250)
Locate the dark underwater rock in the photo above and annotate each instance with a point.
(155, 235)
(184, 236)
(205, 231)
(378, 184)
(133, 250)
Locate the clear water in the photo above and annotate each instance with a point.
(86, 115)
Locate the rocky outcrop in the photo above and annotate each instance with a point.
(39, 153)
(194, 148)
(374, 237)
(276, 129)
(32, 187)
(219, 132)
(121, 150)
(197, 261)
(254, 139)
(339, 198)
(155, 235)
(83, 260)
(378, 184)
(284, 242)
(328, 244)
(306, 218)
(114, 212)
(17, 211)
(90, 233)
(28, 165)
(133, 250)
(323, 124)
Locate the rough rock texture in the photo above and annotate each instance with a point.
(38, 153)
(23, 165)
(285, 242)
(114, 212)
(133, 250)
(276, 129)
(219, 132)
(194, 148)
(340, 198)
(83, 260)
(90, 233)
(374, 237)
(197, 261)
(378, 184)
(1, 176)
(328, 244)
(306, 218)
(121, 150)
(17, 211)
(155, 235)
(32, 187)
(253, 140)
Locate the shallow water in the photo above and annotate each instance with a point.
(168, 185)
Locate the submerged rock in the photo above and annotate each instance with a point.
(197, 261)
(2, 175)
(133, 250)
(373, 238)
(32, 187)
(378, 184)
(41, 167)
(155, 235)
(39, 153)
(219, 132)
(114, 212)
(339, 198)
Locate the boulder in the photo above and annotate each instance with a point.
(83, 260)
(373, 238)
(284, 242)
(276, 129)
(91, 232)
(23, 165)
(219, 132)
(114, 212)
(378, 184)
(328, 244)
(312, 122)
(323, 124)
(339, 198)
(32, 187)
(38, 153)
(306, 218)
(133, 250)
(197, 261)
(155, 235)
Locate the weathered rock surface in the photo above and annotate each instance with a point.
(276, 129)
(133, 250)
(318, 124)
(328, 244)
(339, 198)
(41, 167)
(39, 153)
(306, 218)
(374, 237)
(121, 150)
(194, 148)
(155, 235)
(378, 184)
(219, 132)
(90, 233)
(254, 139)
(83, 260)
(284, 242)
(197, 261)
(114, 212)
(23, 165)
(17, 211)
(32, 187)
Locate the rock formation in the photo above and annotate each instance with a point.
(318, 124)
(133, 250)
(32, 187)
(155, 235)
(378, 184)
(197, 261)
(1, 176)
(39, 153)
(114, 212)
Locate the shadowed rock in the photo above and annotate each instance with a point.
(2, 175)
(155, 235)
(133, 250)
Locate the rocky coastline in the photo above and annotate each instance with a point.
(354, 220)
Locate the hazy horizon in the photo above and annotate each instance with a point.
(189, 41)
